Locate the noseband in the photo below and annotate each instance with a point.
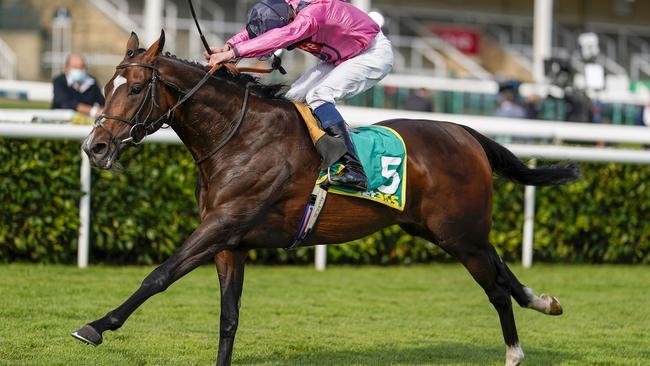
(139, 127)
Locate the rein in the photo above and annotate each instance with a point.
(232, 133)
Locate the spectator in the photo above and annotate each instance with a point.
(533, 106)
(75, 89)
(598, 112)
(419, 100)
(508, 108)
(644, 116)
(579, 107)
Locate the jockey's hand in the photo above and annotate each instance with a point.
(223, 48)
(221, 57)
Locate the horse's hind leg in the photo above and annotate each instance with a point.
(230, 267)
(485, 265)
(486, 268)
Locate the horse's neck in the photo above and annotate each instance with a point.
(206, 119)
(210, 117)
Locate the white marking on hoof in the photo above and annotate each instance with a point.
(514, 355)
(544, 304)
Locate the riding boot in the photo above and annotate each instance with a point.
(352, 174)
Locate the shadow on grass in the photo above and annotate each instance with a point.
(442, 353)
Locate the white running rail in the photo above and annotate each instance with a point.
(21, 128)
(34, 91)
(7, 61)
(37, 91)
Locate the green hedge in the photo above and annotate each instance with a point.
(144, 213)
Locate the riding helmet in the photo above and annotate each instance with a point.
(267, 15)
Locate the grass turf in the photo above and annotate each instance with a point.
(22, 104)
(419, 315)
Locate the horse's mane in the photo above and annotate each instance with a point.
(269, 91)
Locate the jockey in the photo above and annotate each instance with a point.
(354, 54)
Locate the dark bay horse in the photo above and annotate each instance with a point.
(252, 191)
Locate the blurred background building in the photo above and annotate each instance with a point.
(596, 51)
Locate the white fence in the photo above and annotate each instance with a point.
(34, 91)
(15, 124)
(40, 91)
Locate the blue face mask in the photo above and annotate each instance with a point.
(78, 75)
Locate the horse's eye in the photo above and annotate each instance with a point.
(136, 89)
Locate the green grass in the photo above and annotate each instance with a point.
(22, 104)
(420, 315)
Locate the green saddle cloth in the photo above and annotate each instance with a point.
(383, 156)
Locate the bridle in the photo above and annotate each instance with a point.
(141, 128)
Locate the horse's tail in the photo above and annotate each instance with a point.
(507, 165)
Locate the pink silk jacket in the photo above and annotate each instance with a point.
(332, 30)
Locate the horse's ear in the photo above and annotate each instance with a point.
(132, 44)
(156, 48)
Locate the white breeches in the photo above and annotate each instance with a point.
(328, 83)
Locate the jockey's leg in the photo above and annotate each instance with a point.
(330, 149)
(349, 78)
(352, 174)
(353, 76)
(299, 89)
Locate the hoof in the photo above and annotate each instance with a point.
(88, 335)
(514, 355)
(554, 307)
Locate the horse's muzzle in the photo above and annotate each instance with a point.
(100, 153)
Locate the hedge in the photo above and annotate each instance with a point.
(141, 215)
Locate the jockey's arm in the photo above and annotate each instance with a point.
(301, 28)
(238, 38)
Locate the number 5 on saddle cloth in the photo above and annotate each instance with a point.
(382, 153)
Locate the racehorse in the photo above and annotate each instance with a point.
(257, 166)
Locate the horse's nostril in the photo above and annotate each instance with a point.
(99, 148)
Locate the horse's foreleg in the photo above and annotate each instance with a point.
(198, 248)
(230, 267)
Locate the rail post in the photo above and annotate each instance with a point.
(321, 257)
(529, 223)
(84, 213)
